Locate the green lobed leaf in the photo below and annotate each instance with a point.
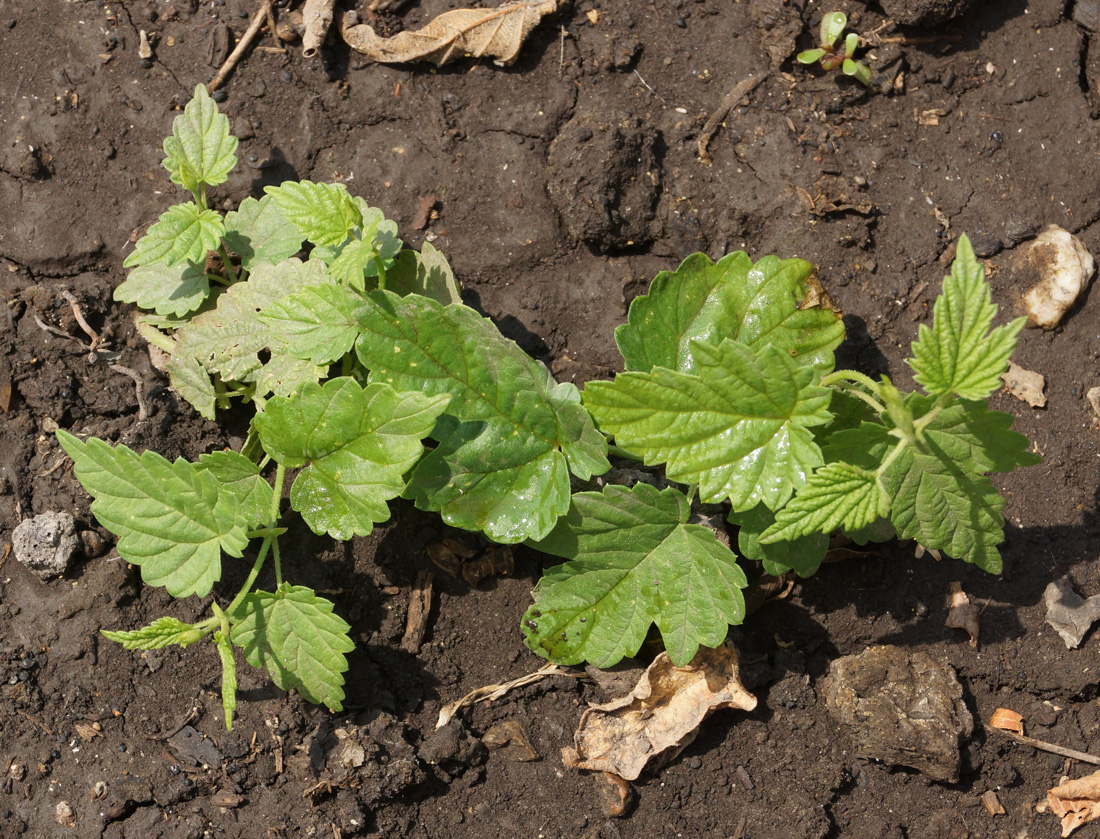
(162, 632)
(229, 339)
(706, 301)
(368, 247)
(323, 213)
(166, 289)
(513, 434)
(172, 519)
(739, 429)
(258, 231)
(960, 354)
(229, 677)
(183, 233)
(294, 634)
(319, 322)
(201, 150)
(802, 555)
(838, 495)
(240, 476)
(634, 562)
(192, 382)
(426, 273)
(355, 445)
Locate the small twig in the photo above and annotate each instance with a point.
(487, 693)
(710, 127)
(191, 716)
(139, 386)
(53, 330)
(249, 35)
(79, 315)
(650, 89)
(1053, 748)
(420, 605)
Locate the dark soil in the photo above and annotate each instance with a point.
(563, 184)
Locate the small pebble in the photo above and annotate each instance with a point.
(219, 95)
(286, 76)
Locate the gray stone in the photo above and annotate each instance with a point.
(46, 543)
(903, 708)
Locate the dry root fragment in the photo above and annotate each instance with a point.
(1007, 720)
(661, 716)
(420, 605)
(482, 33)
(1025, 385)
(1076, 802)
(316, 18)
(962, 614)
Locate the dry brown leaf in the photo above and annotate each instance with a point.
(1025, 385)
(511, 740)
(1007, 720)
(961, 613)
(1076, 802)
(661, 716)
(482, 33)
(1070, 614)
(616, 794)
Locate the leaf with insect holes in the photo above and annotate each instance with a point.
(511, 434)
(183, 233)
(319, 322)
(201, 150)
(294, 635)
(706, 301)
(355, 445)
(172, 519)
(960, 354)
(323, 213)
(235, 341)
(634, 561)
(258, 231)
(162, 632)
(240, 476)
(166, 289)
(740, 429)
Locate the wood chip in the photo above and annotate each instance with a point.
(992, 804)
(420, 605)
(1007, 720)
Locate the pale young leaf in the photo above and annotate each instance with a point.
(960, 354)
(183, 233)
(166, 289)
(240, 476)
(838, 495)
(201, 150)
(323, 213)
(426, 273)
(258, 231)
(319, 322)
(162, 632)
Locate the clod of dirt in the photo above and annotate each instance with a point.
(1070, 614)
(606, 180)
(962, 614)
(1025, 385)
(482, 33)
(903, 708)
(660, 717)
(924, 12)
(46, 544)
(1076, 802)
(1058, 268)
(453, 746)
(1093, 396)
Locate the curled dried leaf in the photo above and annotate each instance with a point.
(1076, 802)
(1007, 720)
(616, 794)
(1070, 614)
(1025, 385)
(316, 19)
(482, 33)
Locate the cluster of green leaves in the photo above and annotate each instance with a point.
(372, 381)
(831, 57)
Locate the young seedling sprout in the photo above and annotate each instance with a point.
(829, 57)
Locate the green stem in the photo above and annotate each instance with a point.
(890, 458)
(252, 575)
(381, 274)
(269, 541)
(850, 376)
(848, 387)
(616, 451)
(228, 263)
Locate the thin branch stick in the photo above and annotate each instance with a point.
(79, 315)
(258, 21)
(1053, 748)
(710, 127)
